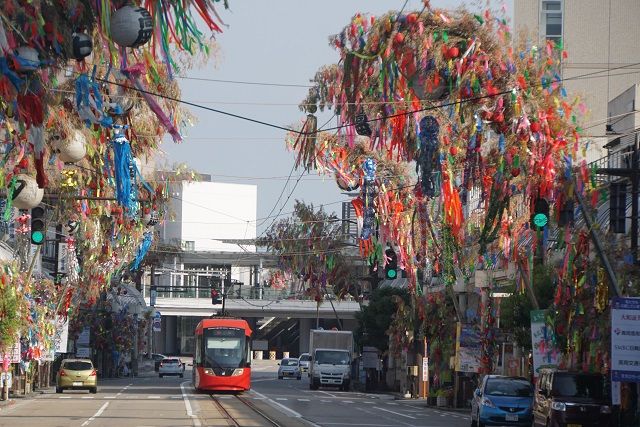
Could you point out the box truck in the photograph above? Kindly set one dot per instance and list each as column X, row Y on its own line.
column 331, row 357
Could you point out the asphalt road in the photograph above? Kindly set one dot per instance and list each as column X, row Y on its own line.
column 170, row 401
column 329, row 407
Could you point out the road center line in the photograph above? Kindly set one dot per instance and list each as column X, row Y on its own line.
column 393, row 412
column 187, row 405
column 97, row 414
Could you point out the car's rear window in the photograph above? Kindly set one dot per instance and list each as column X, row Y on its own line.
column 171, row 361
column 78, row 366
column 305, row 358
column 508, row 387
column 290, row 362
column 577, row 385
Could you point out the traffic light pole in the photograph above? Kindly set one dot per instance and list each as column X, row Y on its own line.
column 613, row 282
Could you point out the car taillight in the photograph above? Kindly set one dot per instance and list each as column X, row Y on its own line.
column 62, row 373
column 93, row 373
column 161, row 364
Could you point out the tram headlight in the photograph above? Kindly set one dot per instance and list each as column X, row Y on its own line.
column 208, row 371
column 237, row 372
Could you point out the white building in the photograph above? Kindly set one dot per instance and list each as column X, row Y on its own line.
column 192, row 259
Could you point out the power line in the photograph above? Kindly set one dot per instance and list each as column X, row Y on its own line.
column 288, row 129
column 243, row 82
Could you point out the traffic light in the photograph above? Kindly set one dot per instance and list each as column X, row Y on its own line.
column 540, row 214
column 38, row 230
column 391, row 268
column 215, row 297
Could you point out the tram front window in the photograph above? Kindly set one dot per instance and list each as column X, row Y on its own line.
column 225, row 348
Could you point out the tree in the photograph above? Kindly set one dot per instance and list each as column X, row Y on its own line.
column 310, row 245
column 515, row 311
column 374, row 319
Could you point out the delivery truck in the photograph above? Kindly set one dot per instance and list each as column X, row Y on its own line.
column 331, row 357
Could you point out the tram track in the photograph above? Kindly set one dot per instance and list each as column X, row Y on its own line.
column 228, row 407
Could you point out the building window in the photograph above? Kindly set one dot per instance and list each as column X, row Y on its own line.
column 189, row 245
column 552, row 19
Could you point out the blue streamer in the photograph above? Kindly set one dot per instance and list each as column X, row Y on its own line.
column 122, row 161
column 142, row 250
column 16, row 81
column 427, row 162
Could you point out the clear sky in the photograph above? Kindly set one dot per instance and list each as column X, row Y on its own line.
column 283, row 41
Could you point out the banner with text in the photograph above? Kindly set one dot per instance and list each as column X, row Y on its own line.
column 625, row 340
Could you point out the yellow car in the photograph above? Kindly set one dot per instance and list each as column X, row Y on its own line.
column 77, row 374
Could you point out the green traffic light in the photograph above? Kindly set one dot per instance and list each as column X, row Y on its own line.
column 540, row 219
column 37, row 236
column 391, row 274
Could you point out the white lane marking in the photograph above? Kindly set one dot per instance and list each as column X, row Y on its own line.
column 187, row 405
column 284, row 408
column 396, row 413
column 369, row 403
column 64, row 397
column 110, row 397
column 97, row 414
column 303, row 400
column 87, row 397
column 281, row 398
column 153, row 397
column 391, row 403
column 327, row 393
column 347, row 401
column 325, row 401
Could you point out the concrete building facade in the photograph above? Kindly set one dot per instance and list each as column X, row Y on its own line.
column 602, row 38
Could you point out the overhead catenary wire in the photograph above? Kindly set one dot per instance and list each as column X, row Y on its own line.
column 409, row 112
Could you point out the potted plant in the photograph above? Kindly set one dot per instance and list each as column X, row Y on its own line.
column 443, row 397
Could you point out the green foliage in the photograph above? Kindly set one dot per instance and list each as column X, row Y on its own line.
column 515, row 311
column 309, row 244
column 10, row 321
column 374, row 319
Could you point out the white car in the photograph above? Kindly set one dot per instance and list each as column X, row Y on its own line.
column 305, row 360
column 289, row 368
column 171, row 366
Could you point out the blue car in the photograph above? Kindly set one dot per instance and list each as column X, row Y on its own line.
column 502, row 401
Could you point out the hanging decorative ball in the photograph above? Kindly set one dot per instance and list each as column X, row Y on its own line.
column 535, row 126
column 71, row 149
column 71, row 226
column 27, row 59
column 131, row 26
column 81, row 46
column 362, row 125
column 120, row 102
column 399, row 38
column 150, row 217
column 27, row 194
column 347, row 184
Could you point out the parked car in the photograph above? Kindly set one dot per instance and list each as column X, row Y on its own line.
column 77, row 374
column 571, row 399
column 157, row 358
column 289, row 368
column 305, row 361
column 171, row 366
column 502, row 401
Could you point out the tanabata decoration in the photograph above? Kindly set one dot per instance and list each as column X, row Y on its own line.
column 485, row 123
column 85, row 86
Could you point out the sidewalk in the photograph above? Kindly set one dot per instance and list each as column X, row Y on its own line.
column 13, row 399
